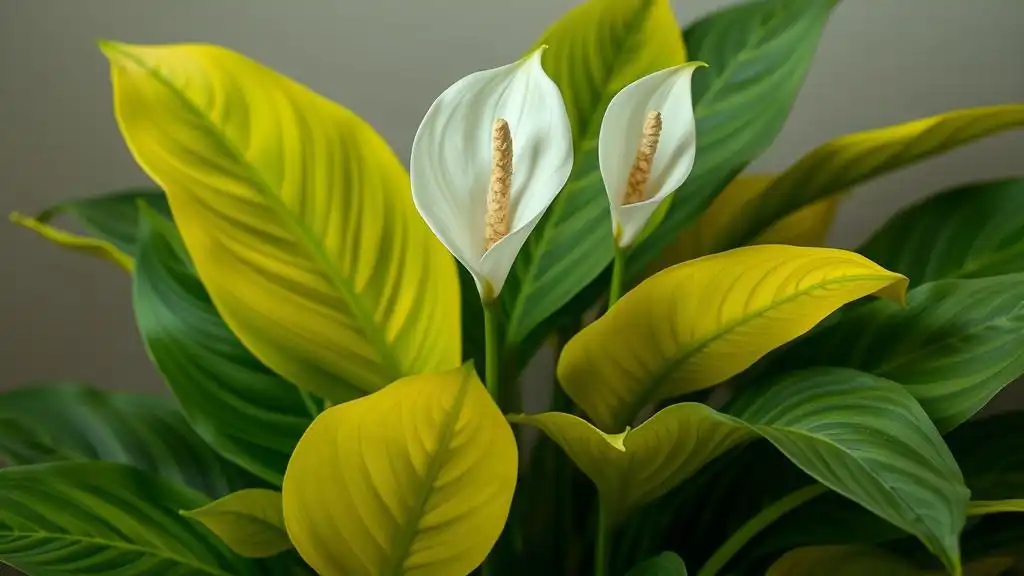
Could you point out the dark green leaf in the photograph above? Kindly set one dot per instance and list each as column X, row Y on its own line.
column 758, row 55
column 244, row 410
column 664, row 564
column 100, row 518
column 955, row 345
column 112, row 217
column 971, row 231
column 56, row 422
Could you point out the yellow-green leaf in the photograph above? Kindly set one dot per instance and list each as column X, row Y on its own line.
column 985, row 507
column 250, row 522
column 864, row 560
column 415, row 479
column 696, row 324
column 594, row 50
column 852, row 159
column 297, row 215
column 84, row 244
column 636, row 466
column 808, row 226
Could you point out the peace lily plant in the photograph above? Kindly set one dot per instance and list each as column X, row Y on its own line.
column 345, row 342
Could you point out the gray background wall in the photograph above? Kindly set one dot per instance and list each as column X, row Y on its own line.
column 65, row 316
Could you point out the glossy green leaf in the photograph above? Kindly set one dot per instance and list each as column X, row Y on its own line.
column 855, row 158
column 415, row 479
column 758, row 54
column 664, row 564
column 296, row 214
column 64, row 421
column 105, row 519
column 955, row 345
column 594, row 51
column 250, row 522
column 863, row 560
column 239, row 406
column 861, row 436
column 113, row 217
column 696, row 324
column 970, row 231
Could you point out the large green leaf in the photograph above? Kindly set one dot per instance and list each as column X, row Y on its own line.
column 594, row 51
column 955, row 345
column 971, row 231
column 699, row 323
column 855, row 158
column 54, row 422
column 296, row 214
column 758, row 54
column 860, row 435
column 244, row 410
column 105, row 519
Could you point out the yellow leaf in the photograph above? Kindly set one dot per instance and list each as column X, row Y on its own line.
column 855, row 158
column 415, row 479
column 84, row 244
column 636, row 466
column 250, row 522
column 298, row 217
column 699, row 323
column 865, row 560
column 808, row 226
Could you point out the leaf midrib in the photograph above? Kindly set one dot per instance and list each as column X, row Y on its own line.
column 119, row 545
column 298, row 229
column 655, row 383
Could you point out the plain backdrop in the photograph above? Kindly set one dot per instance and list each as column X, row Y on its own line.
column 65, row 316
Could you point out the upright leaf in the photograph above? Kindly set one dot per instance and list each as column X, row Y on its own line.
column 244, row 410
column 696, row 324
column 758, row 54
column 855, row 158
column 280, row 191
column 104, row 519
column 414, row 479
column 64, row 421
column 250, row 522
column 971, row 231
column 955, row 345
column 594, row 51
column 861, row 436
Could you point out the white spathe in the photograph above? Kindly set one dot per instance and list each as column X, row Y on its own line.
column 450, row 164
column 666, row 91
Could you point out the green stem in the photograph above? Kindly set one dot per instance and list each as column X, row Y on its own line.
column 618, row 275
column 601, row 547
column 755, row 525
column 492, row 342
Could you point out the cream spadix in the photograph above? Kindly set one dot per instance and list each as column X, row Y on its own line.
column 646, row 147
column 491, row 154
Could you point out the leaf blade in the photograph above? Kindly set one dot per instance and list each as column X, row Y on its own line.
column 250, row 522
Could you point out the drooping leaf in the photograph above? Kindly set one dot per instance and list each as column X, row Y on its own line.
column 863, row 437
column 594, row 51
column 244, row 410
column 250, row 522
column 414, row 479
column 758, row 54
column 105, row 519
column 297, row 215
column 955, row 345
column 861, row 560
column 664, row 564
column 806, row 227
column 696, row 324
column 67, row 421
column 971, row 231
column 76, row 242
column 855, row 158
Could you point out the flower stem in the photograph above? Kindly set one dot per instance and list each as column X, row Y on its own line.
column 492, row 343
column 755, row 525
column 618, row 272
column 601, row 547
